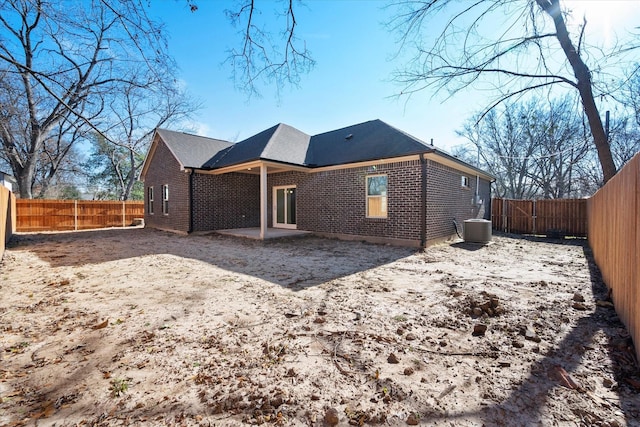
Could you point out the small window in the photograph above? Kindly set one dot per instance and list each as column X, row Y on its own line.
column 377, row 196
column 465, row 181
column 150, row 200
column 165, row 199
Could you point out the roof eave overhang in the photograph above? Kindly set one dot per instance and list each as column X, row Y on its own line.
column 275, row 167
column 150, row 153
column 254, row 165
column 365, row 163
column 449, row 160
column 431, row 154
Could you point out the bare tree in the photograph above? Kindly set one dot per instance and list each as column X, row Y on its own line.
column 273, row 55
column 562, row 143
column 625, row 133
column 69, row 173
column 533, row 148
column 518, row 57
column 59, row 60
column 625, row 140
column 505, row 149
column 56, row 156
column 131, row 116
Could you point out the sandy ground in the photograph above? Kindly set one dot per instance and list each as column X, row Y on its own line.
column 140, row 327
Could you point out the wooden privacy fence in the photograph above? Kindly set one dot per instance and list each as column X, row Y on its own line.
column 614, row 237
column 62, row 215
column 7, row 217
column 557, row 217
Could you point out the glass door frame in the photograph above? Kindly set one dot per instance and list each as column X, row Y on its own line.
column 276, row 224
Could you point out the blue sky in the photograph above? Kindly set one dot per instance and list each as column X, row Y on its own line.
column 350, row 83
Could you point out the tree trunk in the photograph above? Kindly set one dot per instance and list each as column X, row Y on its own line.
column 23, row 174
column 25, row 180
column 131, row 176
column 583, row 76
column 597, row 131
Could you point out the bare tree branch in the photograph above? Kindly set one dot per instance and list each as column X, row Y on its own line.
column 534, row 148
column 265, row 57
column 467, row 50
column 65, row 61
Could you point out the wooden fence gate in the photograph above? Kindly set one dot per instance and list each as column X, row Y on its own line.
column 554, row 218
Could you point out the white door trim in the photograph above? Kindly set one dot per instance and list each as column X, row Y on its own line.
column 276, row 224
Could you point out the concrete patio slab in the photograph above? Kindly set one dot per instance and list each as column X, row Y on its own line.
column 272, row 233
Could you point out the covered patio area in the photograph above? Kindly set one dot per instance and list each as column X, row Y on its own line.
column 283, row 206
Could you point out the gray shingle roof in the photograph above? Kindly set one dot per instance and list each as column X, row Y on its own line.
column 280, row 143
column 191, row 151
column 372, row 140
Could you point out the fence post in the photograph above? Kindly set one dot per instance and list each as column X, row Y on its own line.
column 534, row 217
column 504, row 215
column 123, row 215
column 75, row 215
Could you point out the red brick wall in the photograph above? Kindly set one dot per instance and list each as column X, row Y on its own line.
column 165, row 169
column 226, row 201
column 327, row 202
column 335, row 201
column 448, row 200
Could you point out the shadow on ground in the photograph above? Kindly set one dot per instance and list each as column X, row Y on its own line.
column 295, row 262
column 526, row 402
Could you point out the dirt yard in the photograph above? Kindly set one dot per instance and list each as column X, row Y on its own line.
column 139, row 327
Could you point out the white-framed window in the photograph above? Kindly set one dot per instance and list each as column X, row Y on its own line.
column 165, row 199
column 377, row 196
column 464, row 181
column 150, row 200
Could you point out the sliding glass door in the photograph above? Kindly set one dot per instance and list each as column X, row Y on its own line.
column 284, row 207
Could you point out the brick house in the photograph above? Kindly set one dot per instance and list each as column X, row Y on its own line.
column 368, row 181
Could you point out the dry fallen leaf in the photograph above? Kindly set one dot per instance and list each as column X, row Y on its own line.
column 101, row 325
column 558, row 373
column 49, row 410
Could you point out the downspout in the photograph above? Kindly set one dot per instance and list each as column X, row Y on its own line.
column 423, row 202
column 190, row 203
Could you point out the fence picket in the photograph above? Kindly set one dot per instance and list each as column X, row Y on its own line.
column 63, row 215
column 566, row 217
column 614, row 237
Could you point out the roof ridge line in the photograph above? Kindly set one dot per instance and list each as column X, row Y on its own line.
column 191, row 134
column 410, row 136
column 224, row 151
column 228, row 150
column 271, row 139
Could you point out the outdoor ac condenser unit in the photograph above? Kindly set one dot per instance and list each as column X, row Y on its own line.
column 477, row 231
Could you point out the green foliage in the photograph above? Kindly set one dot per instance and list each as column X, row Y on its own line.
column 118, row 387
column 109, row 167
column 137, row 192
column 70, row 192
